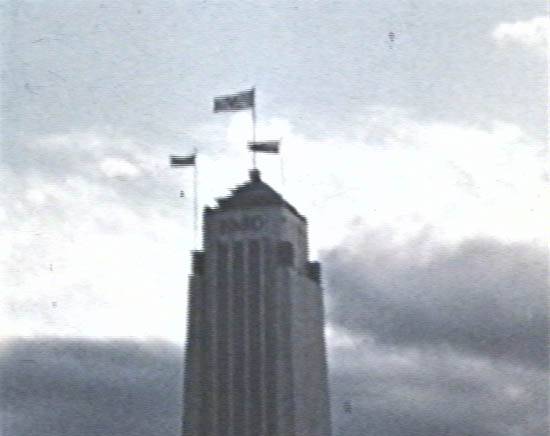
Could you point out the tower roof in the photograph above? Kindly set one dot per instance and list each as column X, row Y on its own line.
column 255, row 192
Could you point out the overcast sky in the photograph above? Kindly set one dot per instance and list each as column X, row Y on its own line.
column 419, row 162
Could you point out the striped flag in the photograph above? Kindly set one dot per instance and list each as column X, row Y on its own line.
column 264, row 146
column 182, row 161
column 234, row 102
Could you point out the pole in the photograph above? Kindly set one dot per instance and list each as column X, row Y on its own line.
column 195, row 202
column 254, row 133
column 281, row 162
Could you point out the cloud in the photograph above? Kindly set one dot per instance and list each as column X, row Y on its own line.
column 390, row 169
column 91, row 222
column 62, row 387
column 94, row 220
column 481, row 297
column 430, row 338
column 116, row 167
column 66, row 387
column 532, row 33
column 403, row 391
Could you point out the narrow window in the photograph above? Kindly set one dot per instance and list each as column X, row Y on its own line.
column 285, row 253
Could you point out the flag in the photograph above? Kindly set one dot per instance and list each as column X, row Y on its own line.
column 264, row 146
column 234, row 102
column 182, row 161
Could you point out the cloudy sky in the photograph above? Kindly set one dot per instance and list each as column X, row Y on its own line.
column 420, row 163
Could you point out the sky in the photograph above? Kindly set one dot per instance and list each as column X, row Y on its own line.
column 421, row 164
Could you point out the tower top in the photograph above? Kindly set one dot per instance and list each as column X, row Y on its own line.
column 253, row 193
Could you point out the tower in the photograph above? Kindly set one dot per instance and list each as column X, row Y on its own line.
column 255, row 359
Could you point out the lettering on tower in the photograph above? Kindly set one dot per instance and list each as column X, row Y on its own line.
column 243, row 224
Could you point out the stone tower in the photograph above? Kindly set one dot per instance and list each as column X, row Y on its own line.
column 255, row 359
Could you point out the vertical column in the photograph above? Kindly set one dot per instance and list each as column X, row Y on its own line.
column 207, row 358
column 222, row 337
column 270, row 340
column 285, row 376
column 262, row 336
column 255, row 330
column 192, row 374
column 229, row 430
column 239, row 336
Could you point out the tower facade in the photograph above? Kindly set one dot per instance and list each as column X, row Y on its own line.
column 256, row 357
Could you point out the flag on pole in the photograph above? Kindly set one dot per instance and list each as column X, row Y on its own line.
column 264, row 146
column 234, row 102
column 182, row 161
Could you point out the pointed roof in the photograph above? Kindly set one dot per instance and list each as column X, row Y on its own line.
column 255, row 192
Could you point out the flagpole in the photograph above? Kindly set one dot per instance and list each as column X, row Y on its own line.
column 281, row 162
column 254, row 127
column 195, row 202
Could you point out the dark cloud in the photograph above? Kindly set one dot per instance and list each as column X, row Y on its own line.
column 58, row 387
column 394, row 394
column 439, row 340
column 55, row 387
column 482, row 297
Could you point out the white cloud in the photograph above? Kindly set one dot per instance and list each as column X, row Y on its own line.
column 531, row 33
column 92, row 282
column 120, row 248
column 460, row 181
column 81, row 255
column 116, row 167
